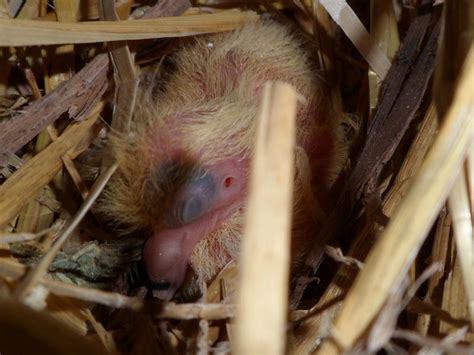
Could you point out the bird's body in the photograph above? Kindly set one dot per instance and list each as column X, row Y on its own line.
column 184, row 166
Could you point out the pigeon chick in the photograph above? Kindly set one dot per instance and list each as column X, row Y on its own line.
column 184, row 167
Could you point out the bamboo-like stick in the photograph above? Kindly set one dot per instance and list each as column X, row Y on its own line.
column 263, row 296
column 30, row 32
column 390, row 258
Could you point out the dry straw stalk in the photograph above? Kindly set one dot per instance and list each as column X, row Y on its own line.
column 26, row 182
column 30, row 32
column 346, row 18
column 305, row 341
column 32, row 278
column 391, row 257
column 262, row 299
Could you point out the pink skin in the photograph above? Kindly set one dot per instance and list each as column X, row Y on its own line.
column 166, row 253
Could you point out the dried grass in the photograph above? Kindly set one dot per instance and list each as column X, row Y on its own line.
column 406, row 285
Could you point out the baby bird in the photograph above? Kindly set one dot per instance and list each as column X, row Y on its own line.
column 183, row 168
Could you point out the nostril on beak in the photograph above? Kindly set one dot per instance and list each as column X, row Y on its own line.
column 228, row 181
column 161, row 285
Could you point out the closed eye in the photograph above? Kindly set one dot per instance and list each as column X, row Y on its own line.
column 194, row 199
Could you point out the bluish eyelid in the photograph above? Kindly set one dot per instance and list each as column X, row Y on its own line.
column 196, row 198
column 204, row 182
column 191, row 209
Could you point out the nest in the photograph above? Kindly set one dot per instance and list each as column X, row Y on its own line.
column 397, row 271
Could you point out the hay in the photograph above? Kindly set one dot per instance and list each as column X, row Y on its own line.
column 398, row 274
